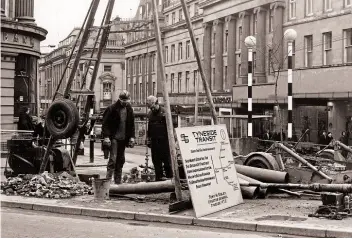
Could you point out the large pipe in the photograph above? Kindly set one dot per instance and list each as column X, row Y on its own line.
column 143, row 188
column 317, row 187
column 168, row 186
column 264, row 175
column 262, row 191
column 248, row 192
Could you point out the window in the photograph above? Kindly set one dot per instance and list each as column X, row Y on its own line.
column 187, row 82
column 197, row 43
column 254, row 61
column 154, row 88
column 179, row 82
column 348, row 3
column 213, row 44
column 153, row 63
column 270, row 62
column 348, row 45
column 196, row 9
column 212, row 83
column 172, row 53
column 308, row 41
column 180, row 15
column 173, row 20
column 107, row 68
column 134, row 92
column 226, row 40
column 189, row 10
column 327, row 5
column 195, row 77
column 309, row 7
column 225, row 77
column 255, row 23
column 292, row 9
column 293, row 54
column 166, row 54
column 188, row 49
column 271, row 21
column 239, row 70
column 167, row 19
column 239, row 37
column 172, row 82
column 140, row 64
column 140, row 92
column 180, row 51
column 327, row 45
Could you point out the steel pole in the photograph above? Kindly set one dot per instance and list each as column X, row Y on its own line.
column 169, row 124
column 289, row 90
column 199, row 62
column 250, row 82
column 302, row 160
column 89, row 100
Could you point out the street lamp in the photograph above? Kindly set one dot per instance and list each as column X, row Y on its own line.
column 290, row 35
column 49, row 46
column 250, row 42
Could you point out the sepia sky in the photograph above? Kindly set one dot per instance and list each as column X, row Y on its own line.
column 59, row 17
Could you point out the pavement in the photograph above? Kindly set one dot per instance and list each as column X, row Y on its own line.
column 36, row 224
column 276, row 216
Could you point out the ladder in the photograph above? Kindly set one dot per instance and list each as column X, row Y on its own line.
column 80, row 42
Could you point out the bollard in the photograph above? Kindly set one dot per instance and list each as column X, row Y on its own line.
column 91, row 149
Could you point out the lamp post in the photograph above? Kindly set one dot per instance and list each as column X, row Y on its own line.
column 250, row 42
column 290, row 35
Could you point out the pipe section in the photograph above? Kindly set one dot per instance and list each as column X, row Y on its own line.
column 264, row 175
column 262, row 191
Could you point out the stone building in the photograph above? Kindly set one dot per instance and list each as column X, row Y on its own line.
column 111, row 73
column 322, row 86
column 20, row 51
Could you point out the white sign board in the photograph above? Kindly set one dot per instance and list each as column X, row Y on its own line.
column 209, row 167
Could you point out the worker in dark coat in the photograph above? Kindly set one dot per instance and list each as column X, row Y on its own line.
column 25, row 119
column 119, row 132
column 158, row 139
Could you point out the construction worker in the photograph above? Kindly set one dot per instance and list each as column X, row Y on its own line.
column 158, row 139
column 118, row 132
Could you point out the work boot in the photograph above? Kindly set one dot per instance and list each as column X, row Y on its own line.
column 109, row 174
column 118, row 176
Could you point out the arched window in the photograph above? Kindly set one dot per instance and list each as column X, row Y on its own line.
column 107, row 91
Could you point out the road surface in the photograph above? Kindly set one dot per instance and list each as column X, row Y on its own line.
column 22, row 223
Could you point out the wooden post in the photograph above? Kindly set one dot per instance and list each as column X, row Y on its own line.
column 200, row 66
column 170, row 130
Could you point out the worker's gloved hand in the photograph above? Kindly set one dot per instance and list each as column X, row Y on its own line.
column 107, row 142
column 131, row 143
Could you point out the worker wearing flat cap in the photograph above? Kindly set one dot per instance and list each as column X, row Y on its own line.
column 158, row 139
column 119, row 132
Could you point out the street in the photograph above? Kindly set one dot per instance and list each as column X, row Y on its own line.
column 22, row 223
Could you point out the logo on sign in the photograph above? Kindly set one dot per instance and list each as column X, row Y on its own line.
column 223, row 134
column 184, row 138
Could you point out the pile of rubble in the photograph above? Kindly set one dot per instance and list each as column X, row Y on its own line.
column 45, row 185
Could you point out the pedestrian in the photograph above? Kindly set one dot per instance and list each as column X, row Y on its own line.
column 158, row 139
column 323, row 139
column 329, row 138
column 344, row 138
column 119, row 132
column 25, row 119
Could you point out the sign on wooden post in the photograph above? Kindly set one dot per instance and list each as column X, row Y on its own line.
column 209, row 168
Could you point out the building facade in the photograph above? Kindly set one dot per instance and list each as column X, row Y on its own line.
column 111, row 72
column 322, row 60
column 20, row 51
column 322, row 54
